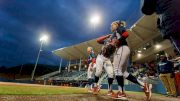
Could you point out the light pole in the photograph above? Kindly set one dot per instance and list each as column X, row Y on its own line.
column 20, row 69
column 42, row 39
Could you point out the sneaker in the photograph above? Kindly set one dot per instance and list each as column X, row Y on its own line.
column 147, row 90
column 121, row 96
column 96, row 90
column 110, row 93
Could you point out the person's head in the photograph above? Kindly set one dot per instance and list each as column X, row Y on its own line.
column 89, row 49
column 116, row 24
column 163, row 57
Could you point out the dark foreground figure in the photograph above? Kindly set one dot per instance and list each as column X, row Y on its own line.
column 168, row 19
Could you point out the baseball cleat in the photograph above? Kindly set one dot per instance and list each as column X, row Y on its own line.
column 147, row 90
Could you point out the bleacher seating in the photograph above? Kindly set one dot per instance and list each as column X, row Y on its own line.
column 48, row 75
column 64, row 75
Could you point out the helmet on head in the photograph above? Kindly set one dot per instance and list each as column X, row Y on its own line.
column 120, row 23
column 89, row 49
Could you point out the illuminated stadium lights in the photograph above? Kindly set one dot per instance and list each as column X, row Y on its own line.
column 139, row 51
column 95, row 19
column 139, row 55
column 44, row 38
column 157, row 46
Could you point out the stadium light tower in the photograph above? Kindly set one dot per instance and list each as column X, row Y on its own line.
column 43, row 39
column 94, row 20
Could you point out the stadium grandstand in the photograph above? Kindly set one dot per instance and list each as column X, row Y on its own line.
column 144, row 40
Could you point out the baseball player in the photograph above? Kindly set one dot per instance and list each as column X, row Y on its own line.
column 103, row 62
column 120, row 61
column 91, row 67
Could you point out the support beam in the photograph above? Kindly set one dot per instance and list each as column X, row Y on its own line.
column 60, row 66
column 60, row 55
column 69, row 66
column 80, row 65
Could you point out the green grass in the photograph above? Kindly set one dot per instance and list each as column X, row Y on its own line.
column 42, row 90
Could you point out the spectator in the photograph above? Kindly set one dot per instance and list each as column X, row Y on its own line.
column 151, row 70
column 166, row 75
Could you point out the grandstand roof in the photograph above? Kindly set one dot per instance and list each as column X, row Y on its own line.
column 140, row 33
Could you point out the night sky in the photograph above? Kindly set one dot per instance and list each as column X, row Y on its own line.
column 66, row 21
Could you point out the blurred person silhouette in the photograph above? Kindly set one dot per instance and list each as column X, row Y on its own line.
column 168, row 18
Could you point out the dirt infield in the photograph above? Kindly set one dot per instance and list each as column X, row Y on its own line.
column 132, row 96
column 79, row 97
